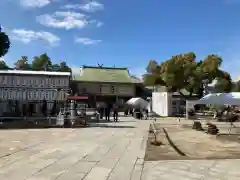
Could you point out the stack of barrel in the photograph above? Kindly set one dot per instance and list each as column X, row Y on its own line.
column 212, row 129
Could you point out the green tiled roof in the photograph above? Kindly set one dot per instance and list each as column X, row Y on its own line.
column 136, row 79
column 104, row 74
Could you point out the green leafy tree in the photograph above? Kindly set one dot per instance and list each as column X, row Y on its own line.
column 152, row 77
column 152, row 66
column 4, row 43
column 55, row 67
column 236, row 86
column 3, row 65
column 185, row 72
column 22, row 64
column 42, row 62
column 224, row 83
column 61, row 67
column 64, row 67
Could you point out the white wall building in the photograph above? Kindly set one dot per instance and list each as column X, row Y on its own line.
column 32, row 87
column 167, row 104
column 161, row 103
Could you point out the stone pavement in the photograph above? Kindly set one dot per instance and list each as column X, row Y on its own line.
column 114, row 151
column 192, row 170
column 92, row 153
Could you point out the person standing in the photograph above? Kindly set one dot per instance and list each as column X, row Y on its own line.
column 99, row 110
column 131, row 111
column 107, row 112
column 146, row 113
column 115, row 112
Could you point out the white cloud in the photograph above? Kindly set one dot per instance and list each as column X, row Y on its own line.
column 87, row 41
column 98, row 24
column 27, row 36
column 63, row 19
column 34, row 3
column 91, row 6
column 71, row 6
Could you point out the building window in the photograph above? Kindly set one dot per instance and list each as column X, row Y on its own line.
column 5, row 81
column 14, row 94
column 47, row 95
column 112, row 89
column 28, row 95
column 9, row 93
column 53, row 82
column 54, row 94
column 17, row 81
column 66, row 82
column 41, row 95
column 5, row 94
column 12, row 81
column 46, row 82
column 41, row 82
column 31, row 95
column 35, row 95
column 17, row 94
column 9, row 80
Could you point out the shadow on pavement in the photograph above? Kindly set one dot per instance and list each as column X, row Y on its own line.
column 43, row 123
column 111, row 121
column 14, row 126
column 108, row 126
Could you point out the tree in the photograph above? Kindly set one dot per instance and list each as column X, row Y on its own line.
column 42, row 62
column 3, row 65
column 224, row 83
column 22, row 64
column 4, row 43
column 152, row 66
column 185, row 72
column 152, row 77
column 236, row 86
column 64, row 67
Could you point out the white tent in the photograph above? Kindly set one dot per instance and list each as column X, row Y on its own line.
column 221, row 99
column 137, row 102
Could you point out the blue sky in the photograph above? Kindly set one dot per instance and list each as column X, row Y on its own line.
column 126, row 33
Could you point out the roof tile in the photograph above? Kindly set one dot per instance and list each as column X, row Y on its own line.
column 104, row 74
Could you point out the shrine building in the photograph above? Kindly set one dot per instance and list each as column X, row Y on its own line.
column 104, row 84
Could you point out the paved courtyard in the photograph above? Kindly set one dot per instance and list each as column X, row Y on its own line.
column 111, row 152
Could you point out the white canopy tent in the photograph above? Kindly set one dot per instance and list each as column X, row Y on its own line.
column 221, row 99
column 137, row 103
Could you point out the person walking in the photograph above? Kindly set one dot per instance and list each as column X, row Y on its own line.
column 115, row 112
column 107, row 112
